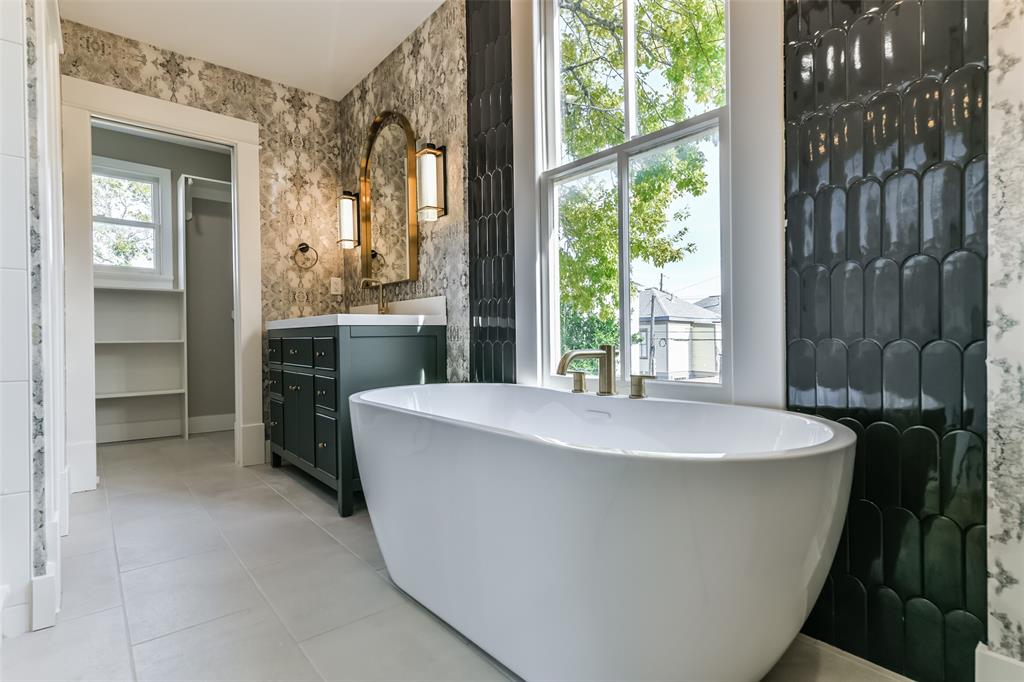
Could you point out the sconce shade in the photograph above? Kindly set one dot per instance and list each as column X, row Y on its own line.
column 348, row 220
column 430, row 183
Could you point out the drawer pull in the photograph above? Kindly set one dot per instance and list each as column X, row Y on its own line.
column 295, row 388
column 321, row 392
column 321, row 445
column 320, row 353
column 273, row 423
column 293, row 351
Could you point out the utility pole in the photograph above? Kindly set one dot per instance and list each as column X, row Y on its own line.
column 651, row 365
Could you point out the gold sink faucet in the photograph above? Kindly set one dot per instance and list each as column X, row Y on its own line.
column 605, row 366
column 370, row 282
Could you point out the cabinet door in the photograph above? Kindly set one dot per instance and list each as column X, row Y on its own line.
column 277, row 422
column 327, row 444
column 298, row 415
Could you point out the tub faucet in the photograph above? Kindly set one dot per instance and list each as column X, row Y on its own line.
column 605, row 366
column 369, row 282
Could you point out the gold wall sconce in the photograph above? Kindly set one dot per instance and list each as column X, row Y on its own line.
column 432, row 183
column 348, row 220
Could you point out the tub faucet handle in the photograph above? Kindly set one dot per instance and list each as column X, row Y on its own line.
column 579, row 382
column 637, row 385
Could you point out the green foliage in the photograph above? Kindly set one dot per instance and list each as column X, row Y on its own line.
column 680, row 56
column 123, row 199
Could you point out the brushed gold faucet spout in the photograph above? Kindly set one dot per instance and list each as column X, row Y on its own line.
column 370, row 282
column 605, row 366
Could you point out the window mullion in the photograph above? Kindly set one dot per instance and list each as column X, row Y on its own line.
column 624, row 283
column 124, row 221
column 629, row 66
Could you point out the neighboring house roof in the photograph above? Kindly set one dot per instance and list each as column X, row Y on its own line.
column 712, row 303
column 669, row 307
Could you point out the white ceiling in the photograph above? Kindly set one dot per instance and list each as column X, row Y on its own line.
column 323, row 46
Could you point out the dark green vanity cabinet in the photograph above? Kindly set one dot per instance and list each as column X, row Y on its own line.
column 313, row 371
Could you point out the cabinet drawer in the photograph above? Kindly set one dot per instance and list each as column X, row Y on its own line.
column 274, row 351
column 274, row 384
column 277, row 423
column 324, row 354
column 327, row 444
column 326, row 393
column 298, row 351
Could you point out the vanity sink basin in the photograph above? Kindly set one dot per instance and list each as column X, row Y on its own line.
column 421, row 312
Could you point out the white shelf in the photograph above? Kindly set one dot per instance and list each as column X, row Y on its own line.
column 123, row 342
column 144, row 290
column 140, row 394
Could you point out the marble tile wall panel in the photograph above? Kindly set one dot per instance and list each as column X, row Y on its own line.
column 1005, row 467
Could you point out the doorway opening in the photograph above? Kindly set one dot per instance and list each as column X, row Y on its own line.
column 162, row 224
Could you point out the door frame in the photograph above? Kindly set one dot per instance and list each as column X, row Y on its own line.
column 82, row 102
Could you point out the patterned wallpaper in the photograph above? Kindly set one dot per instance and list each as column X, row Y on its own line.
column 298, row 152
column 424, row 78
column 39, row 492
column 1006, row 329
column 885, row 300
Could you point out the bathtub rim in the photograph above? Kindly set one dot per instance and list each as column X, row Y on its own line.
column 843, row 438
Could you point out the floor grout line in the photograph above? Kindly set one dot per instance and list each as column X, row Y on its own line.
column 189, row 627
column 120, row 587
column 255, row 583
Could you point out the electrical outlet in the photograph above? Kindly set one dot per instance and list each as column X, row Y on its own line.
column 336, row 286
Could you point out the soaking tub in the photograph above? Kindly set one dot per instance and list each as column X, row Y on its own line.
column 576, row 537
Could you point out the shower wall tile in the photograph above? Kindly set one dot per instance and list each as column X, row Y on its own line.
column 888, row 188
column 492, row 331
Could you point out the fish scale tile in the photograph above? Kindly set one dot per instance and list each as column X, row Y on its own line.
column 491, row 237
column 886, row 184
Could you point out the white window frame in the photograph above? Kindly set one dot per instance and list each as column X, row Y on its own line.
column 754, row 309
column 162, row 274
column 555, row 171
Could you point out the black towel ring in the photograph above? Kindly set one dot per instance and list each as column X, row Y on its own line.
column 302, row 257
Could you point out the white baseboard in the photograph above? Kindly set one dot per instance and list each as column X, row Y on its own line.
column 992, row 667
column 211, row 422
column 82, row 465
column 17, row 620
column 44, row 598
column 253, row 445
column 159, row 428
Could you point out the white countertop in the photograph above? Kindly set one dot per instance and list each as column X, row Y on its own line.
column 420, row 312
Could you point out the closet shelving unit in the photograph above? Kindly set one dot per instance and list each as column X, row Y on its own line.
column 141, row 361
column 142, row 352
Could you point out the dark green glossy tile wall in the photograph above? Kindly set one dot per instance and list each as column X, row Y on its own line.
column 492, row 310
column 885, row 312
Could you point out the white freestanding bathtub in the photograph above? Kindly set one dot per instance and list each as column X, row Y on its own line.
column 576, row 537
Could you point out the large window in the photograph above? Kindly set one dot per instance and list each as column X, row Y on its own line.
column 635, row 149
column 131, row 225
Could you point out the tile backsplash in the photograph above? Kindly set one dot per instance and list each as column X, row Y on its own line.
column 492, row 298
column 886, row 183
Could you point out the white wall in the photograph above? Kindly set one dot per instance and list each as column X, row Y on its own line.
column 15, row 401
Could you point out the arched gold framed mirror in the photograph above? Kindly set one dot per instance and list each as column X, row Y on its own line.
column 387, row 196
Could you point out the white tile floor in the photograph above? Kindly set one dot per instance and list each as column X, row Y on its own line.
column 183, row 567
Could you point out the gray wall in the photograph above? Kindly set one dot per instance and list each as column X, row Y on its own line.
column 207, row 264
column 211, row 339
